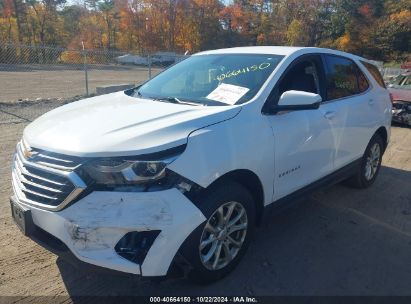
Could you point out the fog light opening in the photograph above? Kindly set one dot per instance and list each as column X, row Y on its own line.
column 135, row 245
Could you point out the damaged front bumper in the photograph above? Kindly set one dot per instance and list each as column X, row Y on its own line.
column 95, row 227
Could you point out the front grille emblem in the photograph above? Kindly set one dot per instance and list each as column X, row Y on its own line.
column 28, row 153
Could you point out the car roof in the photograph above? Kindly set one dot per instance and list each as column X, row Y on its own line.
column 279, row 50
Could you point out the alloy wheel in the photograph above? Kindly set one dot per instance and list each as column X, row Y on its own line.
column 223, row 235
column 373, row 161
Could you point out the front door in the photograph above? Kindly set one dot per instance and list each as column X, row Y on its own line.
column 304, row 140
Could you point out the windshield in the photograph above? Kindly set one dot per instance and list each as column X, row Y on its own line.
column 223, row 79
column 397, row 80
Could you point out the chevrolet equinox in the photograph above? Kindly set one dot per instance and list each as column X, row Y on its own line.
column 178, row 171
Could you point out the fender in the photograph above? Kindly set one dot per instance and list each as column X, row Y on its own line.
column 218, row 149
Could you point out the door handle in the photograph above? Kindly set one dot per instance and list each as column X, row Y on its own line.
column 371, row 101
column 329, row 114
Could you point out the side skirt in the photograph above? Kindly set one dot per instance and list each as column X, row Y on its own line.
column 296, row 197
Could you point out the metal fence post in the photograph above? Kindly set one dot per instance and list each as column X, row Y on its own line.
column 85, row 67
column 149, row 66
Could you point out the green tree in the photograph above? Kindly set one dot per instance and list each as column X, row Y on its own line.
column 296, row 34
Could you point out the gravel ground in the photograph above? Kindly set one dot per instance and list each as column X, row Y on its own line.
column 339, row 241
column 44, row 83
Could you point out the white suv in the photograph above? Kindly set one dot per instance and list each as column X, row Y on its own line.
column 178, row 171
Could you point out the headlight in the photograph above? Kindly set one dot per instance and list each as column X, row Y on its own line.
column 117, row 171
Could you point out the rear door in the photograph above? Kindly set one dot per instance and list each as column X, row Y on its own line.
column 349, row 92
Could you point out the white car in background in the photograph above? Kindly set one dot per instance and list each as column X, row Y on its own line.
column 179, row 171
column 133, row 59
column 164, row 59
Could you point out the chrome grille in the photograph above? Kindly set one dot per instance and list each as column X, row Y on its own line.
column 51, row 159
column 45, row 179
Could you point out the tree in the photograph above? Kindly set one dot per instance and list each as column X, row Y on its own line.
column 296, row 34
column 378, row 29
column 392, row 37
column 110, row 16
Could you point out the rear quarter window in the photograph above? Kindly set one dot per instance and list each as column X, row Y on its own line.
column 362, row 81
column 375, row 73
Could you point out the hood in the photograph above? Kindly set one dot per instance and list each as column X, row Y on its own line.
column 119, row 125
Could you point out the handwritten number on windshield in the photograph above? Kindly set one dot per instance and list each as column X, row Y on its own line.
column 234, row 73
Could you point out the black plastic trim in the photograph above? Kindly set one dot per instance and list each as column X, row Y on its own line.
column 327, row 181
column 155, row 156
column 137, row 245
column 278, row 109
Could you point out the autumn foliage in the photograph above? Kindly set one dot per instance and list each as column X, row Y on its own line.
column 378, row 29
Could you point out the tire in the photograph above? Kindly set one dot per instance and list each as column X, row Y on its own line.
column 220, row 197
column 370, row 164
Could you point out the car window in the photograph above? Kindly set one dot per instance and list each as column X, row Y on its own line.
column 397, row 80
column 341, row 77
column 362, row 81
column 375, row 73
column 407, row 82
column 218, row 79
column 303, row 76
column 401, row 82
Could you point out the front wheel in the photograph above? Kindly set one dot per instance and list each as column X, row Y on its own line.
column 215, row 248
column 370, row 164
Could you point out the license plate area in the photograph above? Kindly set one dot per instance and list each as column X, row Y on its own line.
column 22, row 217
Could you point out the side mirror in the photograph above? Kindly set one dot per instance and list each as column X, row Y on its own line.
column 297, row 101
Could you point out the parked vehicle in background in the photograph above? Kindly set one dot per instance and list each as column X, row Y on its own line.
column 162, row 59
column 165, row 59
column 406, row 66
column 132, row 59
column 178, row 171
column 402, row 82
column 401, row 112
column 400, row 90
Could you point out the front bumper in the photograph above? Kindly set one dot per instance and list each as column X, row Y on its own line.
column 91, row 227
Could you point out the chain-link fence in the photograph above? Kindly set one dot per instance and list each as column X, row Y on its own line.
column 41, row 72
column 36, row 72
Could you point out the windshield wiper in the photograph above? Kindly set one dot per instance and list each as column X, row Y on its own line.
column 136, row 92
column 178, row 101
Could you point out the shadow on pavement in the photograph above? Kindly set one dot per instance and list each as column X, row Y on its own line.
column 339, row 241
